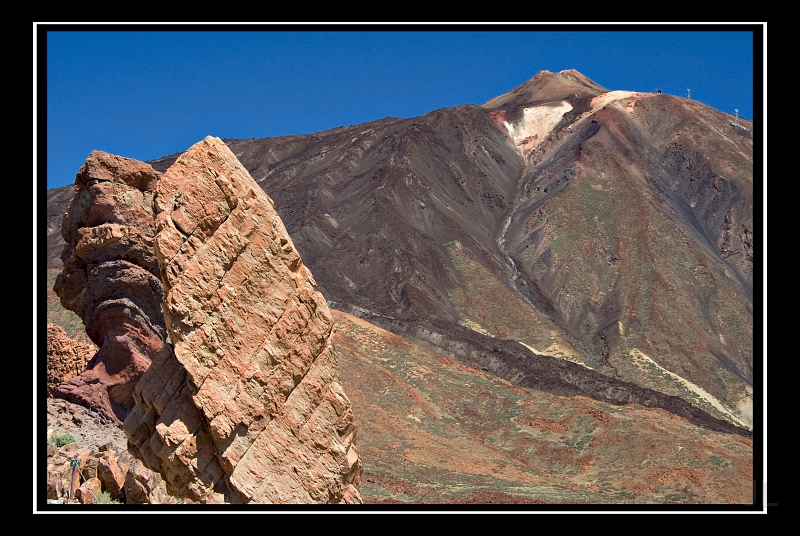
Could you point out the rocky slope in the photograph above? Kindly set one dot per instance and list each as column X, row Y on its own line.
column 433, row 431
column 104, row 471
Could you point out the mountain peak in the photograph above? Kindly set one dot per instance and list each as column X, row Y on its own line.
column 547, row 86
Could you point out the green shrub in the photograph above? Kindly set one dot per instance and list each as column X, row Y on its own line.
column 105, row 498
column 64, row 439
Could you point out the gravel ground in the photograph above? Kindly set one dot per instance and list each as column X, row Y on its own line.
column 89, row 428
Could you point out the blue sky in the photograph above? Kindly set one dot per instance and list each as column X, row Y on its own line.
column 147, row 94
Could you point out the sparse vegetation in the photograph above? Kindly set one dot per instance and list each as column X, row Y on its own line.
column 485, row 305
column 64, row 439
column 105, row 498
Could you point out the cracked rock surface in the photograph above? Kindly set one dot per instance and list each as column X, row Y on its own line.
column 246, row 404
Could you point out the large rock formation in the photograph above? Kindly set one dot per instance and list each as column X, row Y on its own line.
column 248, row 407
column 111, row 279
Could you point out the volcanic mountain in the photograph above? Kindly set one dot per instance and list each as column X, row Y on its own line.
column 613, row 229
column 562, row 237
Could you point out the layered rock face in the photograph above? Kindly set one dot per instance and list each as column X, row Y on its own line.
column 111, row 279
column 66, row 358
column 248, row 407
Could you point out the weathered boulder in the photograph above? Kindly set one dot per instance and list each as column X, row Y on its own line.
column 89, row 491
column 66, row 358
column 248, row 407
column 142, row 486
column 111, row 279
column 111, row 474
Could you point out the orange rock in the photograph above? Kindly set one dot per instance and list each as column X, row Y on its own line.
column 66, row 358
column 88, row 492
column 248, row 407
column 111, row 475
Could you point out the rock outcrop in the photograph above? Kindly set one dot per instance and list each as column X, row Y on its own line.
column 111, row 279
column 245, row 406
column 124, row 478
column 66, row 358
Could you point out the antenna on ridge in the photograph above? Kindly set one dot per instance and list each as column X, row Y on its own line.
column 689, row 94
column 736, row 124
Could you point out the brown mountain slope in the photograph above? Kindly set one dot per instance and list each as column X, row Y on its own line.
column 372, row 205
column 58, row 200
column 648, row 248
column 432, row 430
